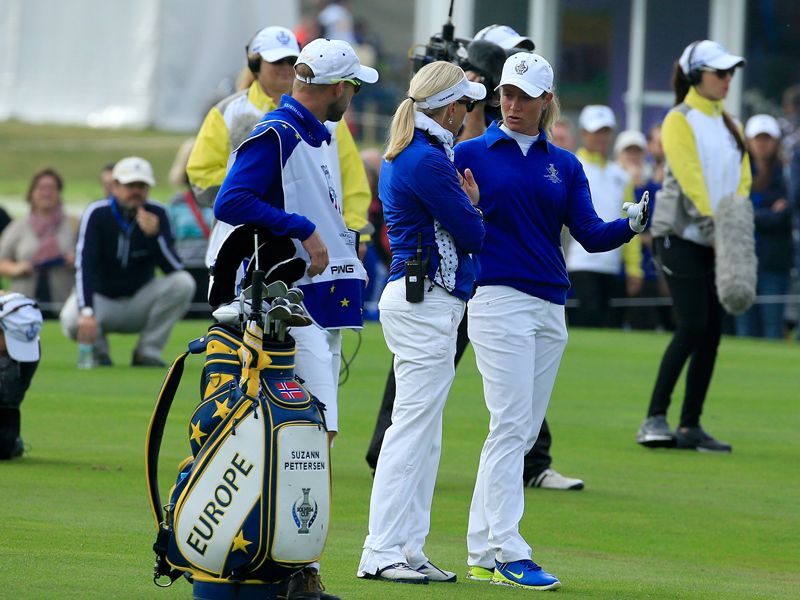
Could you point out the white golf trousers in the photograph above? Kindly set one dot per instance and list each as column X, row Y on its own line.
column 518, row 341
column 422, row 337
column 319, row 354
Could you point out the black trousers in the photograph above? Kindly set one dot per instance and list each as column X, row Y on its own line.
column 689, row 269
column 536, row 461
column 15, row 378
column 594, row 291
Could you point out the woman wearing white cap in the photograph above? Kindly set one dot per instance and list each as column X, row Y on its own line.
column 773, row 221
column 706, row 162
column 529, row 190
column 433, row 226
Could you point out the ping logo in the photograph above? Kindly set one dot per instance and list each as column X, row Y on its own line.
column 345, row 269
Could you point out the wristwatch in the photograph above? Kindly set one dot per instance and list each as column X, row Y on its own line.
column 87, row 311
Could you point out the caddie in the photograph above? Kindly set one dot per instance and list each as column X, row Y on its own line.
column 285, row 180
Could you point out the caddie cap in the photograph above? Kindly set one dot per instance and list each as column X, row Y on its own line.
column 133, row 170
column 274, row 44
column 21, row 322
column 529, row 72
column 333, row 61
column 596, row 116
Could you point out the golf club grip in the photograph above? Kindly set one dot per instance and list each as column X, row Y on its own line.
column 258, row 288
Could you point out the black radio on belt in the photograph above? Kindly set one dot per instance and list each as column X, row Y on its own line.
column 416, row 269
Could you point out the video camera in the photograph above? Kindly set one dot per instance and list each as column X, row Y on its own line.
column 484, row 58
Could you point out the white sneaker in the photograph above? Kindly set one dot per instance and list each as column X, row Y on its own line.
column 434, row 573
column 398, row 572
column 553, row 480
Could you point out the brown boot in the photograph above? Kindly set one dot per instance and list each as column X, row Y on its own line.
column 306, row 585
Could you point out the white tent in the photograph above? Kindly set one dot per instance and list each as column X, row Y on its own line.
column 125, row 63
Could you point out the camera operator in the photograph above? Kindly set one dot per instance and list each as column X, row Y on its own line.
column 485, row 57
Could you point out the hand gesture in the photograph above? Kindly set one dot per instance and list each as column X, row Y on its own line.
column 469, row 186
column 147, row 221
column 638, row 213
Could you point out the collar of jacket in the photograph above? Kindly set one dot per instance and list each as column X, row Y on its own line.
column 494, row 134
column 258, row 98
column 592, row 158
column 712, row 108
column 312, row 129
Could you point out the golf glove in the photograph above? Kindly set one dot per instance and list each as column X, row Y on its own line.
column 638, row 212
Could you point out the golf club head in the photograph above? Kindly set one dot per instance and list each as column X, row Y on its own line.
column 295, row 295
column 274, row 289
column 299, row 318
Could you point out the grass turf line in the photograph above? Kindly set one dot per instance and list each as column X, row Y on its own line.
column 74, row 521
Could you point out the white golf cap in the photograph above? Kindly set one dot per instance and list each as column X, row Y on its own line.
column 596, row 116
column 133, row 170
column 708, row 54
column 21, row 322
column 529, row 72
column 629, row 138
column 333, row 61
column 465, row 87
column 505, row 37
column 758, row 124
column 274, row 44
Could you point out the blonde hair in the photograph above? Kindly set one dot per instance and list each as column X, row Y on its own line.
column 429, row 80
column 550, row 116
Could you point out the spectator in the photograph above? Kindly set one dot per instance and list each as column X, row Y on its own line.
column 122, row 239
column 37, row 252
column 106, row 179
column 595, row 277
column 336, row 22
column 4, row 219
column 706, row 162
column 429, row 209
column 629, row 150
column 20, row 323
column 530, row 189
column 192, row 225
column 564, row 135
column 655, row 155
column 773, row 221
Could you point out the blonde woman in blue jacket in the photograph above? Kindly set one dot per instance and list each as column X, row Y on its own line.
column 706, row 161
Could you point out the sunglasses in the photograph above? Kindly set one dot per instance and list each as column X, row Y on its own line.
column 469, row 104
column 721, row 73
column 354, row 82
column 287, row 61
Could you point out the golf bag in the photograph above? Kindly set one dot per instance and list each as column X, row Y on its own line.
column 252, row 502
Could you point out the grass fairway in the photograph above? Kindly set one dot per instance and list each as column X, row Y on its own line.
column 74, row 521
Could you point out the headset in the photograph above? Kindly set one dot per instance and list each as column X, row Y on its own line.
column 694, row 75
column 253, row 62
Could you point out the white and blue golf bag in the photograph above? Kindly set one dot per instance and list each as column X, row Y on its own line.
column 251, row 505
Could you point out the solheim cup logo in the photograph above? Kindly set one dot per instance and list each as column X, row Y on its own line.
column 303, row 513
column 521, row 68
column 284, row 38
